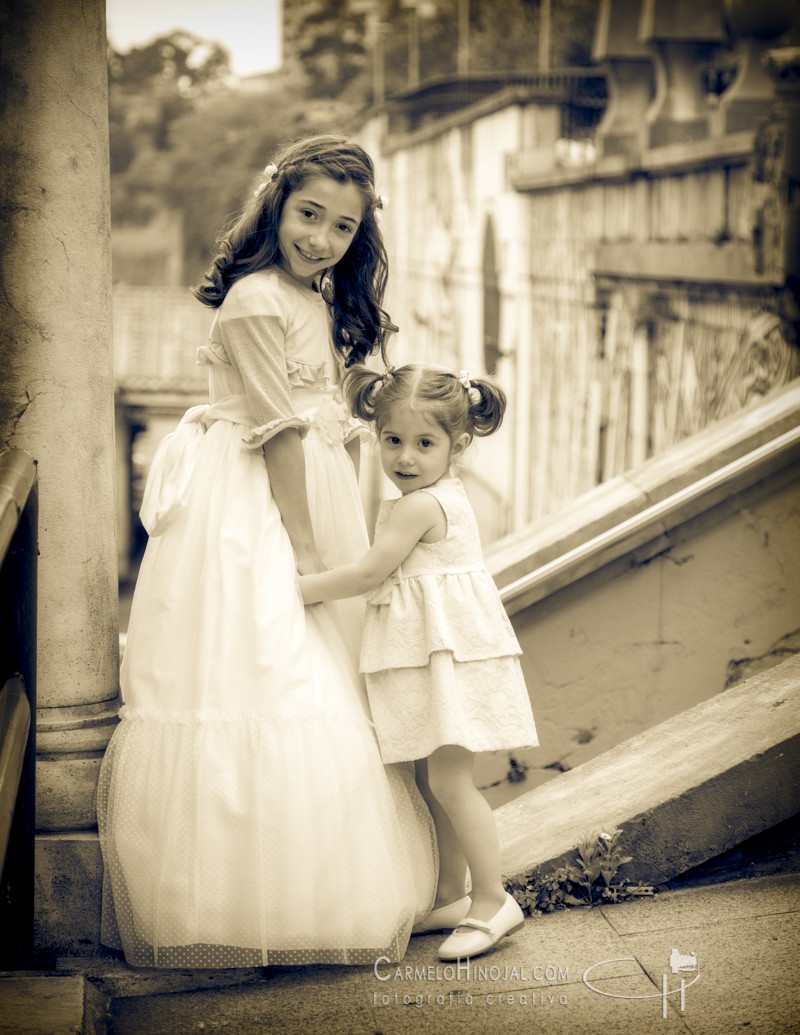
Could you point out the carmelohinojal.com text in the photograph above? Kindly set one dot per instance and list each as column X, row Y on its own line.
column 466, row 970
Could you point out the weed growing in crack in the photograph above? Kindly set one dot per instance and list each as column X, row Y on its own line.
column 592, row 879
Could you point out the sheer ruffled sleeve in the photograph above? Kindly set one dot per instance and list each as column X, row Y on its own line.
column 255, row 346
column 253, row 324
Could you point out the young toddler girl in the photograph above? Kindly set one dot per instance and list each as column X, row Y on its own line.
column 440, row 657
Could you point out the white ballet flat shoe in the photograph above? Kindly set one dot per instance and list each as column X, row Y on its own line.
column 445, row 918
column 473, row 937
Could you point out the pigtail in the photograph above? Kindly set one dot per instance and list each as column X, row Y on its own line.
column 458, row 402
column 487, row 406
column 360, row 387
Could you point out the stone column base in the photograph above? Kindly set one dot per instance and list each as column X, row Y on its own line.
column 70, row 744
column 69, row 879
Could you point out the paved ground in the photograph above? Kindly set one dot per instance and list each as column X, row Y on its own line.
column 744, row 935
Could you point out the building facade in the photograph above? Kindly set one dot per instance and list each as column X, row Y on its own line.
column 628, row 278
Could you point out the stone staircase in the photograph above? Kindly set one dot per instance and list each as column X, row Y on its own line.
column 682, row 792
column 661, row 611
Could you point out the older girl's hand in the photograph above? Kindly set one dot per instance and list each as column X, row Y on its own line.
column 309, row 563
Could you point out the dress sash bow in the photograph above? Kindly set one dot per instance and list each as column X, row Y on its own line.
column 167, row 488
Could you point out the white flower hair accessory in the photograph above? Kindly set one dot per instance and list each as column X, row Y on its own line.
column 379, row 385
column 465, row 380
column 269, row 174
column 380, row 205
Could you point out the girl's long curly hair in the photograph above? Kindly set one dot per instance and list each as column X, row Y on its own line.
column 357, row 282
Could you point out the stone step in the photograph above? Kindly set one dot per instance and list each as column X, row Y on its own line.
column 87, row 996
column 38, row 1004
column 681, row 792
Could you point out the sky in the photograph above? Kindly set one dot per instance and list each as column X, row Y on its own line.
column 248, row 29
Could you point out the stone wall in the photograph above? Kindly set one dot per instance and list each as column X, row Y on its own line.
column 627, row 288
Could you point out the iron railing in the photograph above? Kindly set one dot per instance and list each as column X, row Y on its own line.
column 18, row 566
column 653, row 523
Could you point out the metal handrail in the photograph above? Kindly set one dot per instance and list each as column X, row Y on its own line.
column 19, row 510
column 17, row 479
column 650, row 523
column 15, row 723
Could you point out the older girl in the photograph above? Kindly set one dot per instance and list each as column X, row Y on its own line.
column 245, row 815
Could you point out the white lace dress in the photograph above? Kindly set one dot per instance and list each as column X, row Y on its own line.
column 439, row 653
column 245, row 815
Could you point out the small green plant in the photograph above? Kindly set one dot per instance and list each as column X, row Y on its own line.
column 590, row 879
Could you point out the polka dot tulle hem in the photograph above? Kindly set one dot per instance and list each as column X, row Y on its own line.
column 242, row 845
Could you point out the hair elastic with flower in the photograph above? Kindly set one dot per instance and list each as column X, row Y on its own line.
column 380, row 384
column 465, row 380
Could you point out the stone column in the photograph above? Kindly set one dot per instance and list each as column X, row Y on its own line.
column 628, row 65
column 682, row 34
column 756, row 27
column 57, row 403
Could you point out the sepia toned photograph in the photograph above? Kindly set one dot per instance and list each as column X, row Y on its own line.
column 399, row 517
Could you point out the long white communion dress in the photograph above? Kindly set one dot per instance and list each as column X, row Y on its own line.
column 245, row 815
